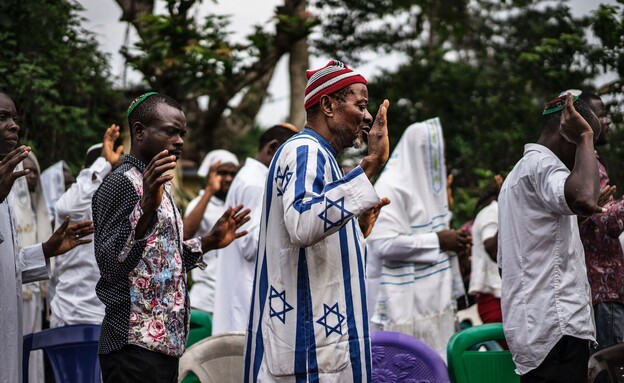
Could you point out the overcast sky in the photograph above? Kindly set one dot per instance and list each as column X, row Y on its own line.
column 103, row 19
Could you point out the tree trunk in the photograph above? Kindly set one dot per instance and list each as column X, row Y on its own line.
column 298, row 63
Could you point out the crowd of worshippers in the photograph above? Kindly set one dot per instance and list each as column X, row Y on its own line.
column 306, row 256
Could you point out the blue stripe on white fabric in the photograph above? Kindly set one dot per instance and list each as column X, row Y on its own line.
column 430, row 223
column 317, row 186
column 300, row 189
column 412, row 270
column 354, row 343
column 259, row 351
column 362, row 279
column 306, row 366
column 416, row 278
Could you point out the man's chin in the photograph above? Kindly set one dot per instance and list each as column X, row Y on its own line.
column 358, row 143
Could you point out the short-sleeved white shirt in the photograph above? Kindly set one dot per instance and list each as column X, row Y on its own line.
column 545, row 293
column 484, row 277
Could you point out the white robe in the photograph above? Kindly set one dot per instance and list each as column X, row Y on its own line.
column 27, row 265
column 33, row 226
column 308, row 311
column 235, row 271
column 417, row 281
column 76, row 272
column 202, row 293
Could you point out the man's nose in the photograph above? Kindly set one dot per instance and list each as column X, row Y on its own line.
column 367, row 117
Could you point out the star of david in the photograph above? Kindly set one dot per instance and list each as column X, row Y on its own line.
column 334, row 325
column 282, row 180
column 337, row 204
column 285, row 307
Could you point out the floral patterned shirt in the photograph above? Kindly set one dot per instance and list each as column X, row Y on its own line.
column 142, row 281
column 603, row 251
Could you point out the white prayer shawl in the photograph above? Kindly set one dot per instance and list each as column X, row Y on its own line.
column 236, row 263
column 27, row 265
column 53, row 181
column 202, row 294
column 76, row 272
column 33, row 226
column 308, row 313
column 417, row 281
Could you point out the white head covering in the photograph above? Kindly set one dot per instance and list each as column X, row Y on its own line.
column 215, row 156
column 31, row 212
column 415, row 181
column 53, row 181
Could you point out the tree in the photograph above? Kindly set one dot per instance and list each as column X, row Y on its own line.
column 187, row 60
column 486, row 68
column 57, row 77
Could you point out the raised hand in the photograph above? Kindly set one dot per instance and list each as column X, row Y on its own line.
column 224, row 230
column 367, row 219
column 7, row 167
column 449, row 190
column 154, row 179
column 108, row 145
column 573, row 125
column 213, row 183
column 66, row 237
column 378, row 142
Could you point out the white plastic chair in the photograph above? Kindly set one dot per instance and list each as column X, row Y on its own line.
column 216, row 359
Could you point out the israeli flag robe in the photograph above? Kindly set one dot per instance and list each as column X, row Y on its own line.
column 308, row 320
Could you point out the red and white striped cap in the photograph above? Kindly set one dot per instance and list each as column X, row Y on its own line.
column 329, row 79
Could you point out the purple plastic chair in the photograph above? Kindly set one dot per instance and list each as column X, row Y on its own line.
column 72, row 351
column 399, row 358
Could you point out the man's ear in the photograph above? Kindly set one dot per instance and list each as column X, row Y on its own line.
column 138, row 131
column 326, row 105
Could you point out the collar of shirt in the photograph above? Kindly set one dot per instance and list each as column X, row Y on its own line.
column 129, row 158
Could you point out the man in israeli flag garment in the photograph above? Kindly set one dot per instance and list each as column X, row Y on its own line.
column 308, row 319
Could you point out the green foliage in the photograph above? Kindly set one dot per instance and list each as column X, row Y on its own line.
column 57, row 77
column 486, row 68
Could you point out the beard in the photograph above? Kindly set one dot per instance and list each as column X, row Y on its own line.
column 358, row 143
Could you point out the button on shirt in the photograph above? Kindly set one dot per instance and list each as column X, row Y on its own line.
column 143, row 281
column 545, row 294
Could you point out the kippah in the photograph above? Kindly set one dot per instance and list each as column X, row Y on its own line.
column 137, row 101
column 288, row 126
column 556, row 105
column 329, row 79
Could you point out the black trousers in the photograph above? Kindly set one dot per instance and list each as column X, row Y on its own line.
column 565, row 363
column 137, row 364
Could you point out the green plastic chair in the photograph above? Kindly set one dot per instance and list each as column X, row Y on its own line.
column 472, row 366
column 200, row 328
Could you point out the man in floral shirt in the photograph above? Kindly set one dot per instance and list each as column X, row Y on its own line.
column 603, row 251
column 139, row 249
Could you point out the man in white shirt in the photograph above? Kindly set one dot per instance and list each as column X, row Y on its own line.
column 235, row 263
column 76, row 273
column 546, row 302
column 219, row 167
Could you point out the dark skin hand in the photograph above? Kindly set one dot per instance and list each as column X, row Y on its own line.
column 491, row 247
column 66, row 237
column 454, row 240
column 154, row 179
column 367, row 219
column 7, row 167
column 224, row 230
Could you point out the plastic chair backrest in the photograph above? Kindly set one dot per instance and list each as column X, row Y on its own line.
column 610, row 359
column 397, row 357
column 200, row 328
column 473, row 366
column 72, row 351
column 216, row 359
